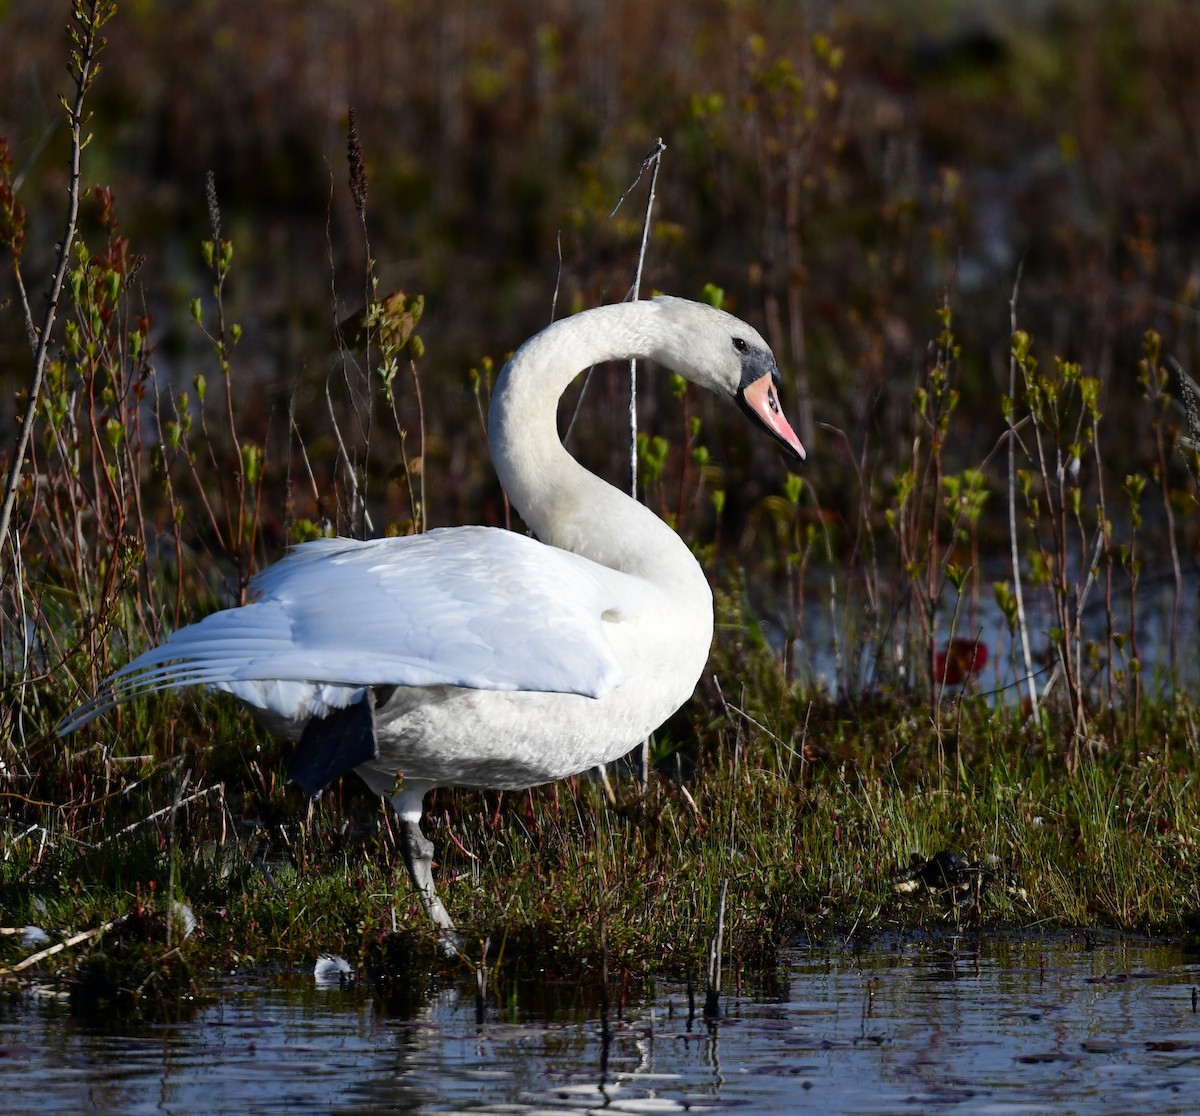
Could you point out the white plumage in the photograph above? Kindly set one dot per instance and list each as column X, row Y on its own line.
column 476, row 607
column 472, row 655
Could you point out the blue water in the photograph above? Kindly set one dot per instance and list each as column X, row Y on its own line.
column 956, row 1025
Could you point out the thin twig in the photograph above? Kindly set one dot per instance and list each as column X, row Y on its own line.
column 737, row 756
column 74, row 940
column 557, row 276
column 187, row 776
column 712, row 994
column 1018, row 596
column 358, row 190
column 652, row 160
column 356, row 499
column 159, row 813
column 91, row 43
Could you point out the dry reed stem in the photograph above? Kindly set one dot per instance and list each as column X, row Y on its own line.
column 1018, row 595
column 219, row 787
column 90, row 19
column 50, row 951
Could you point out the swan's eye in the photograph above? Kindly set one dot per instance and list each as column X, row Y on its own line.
column 740, row 345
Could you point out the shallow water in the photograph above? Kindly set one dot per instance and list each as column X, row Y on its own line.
column 819, row 651
column 998, row 1025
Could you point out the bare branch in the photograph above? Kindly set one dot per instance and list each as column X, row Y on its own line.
column 89, row 17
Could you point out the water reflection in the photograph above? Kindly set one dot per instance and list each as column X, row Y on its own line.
column 829, row 656
column 995, row 1025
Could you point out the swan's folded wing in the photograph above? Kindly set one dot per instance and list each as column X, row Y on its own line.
column 475, row 607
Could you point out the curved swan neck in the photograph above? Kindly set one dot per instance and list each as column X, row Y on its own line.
column 563, row 503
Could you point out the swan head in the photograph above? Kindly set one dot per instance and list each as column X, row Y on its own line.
column 730, row 358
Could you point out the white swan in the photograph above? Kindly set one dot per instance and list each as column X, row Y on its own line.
column 472, row 655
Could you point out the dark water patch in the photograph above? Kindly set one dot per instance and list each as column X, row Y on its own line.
column 958, row 1025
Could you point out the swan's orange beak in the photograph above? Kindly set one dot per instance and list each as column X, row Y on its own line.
column 760, row 400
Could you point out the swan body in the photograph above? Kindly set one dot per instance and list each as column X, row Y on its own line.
column 473, row 655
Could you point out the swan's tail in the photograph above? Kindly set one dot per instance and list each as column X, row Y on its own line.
column 241, row 650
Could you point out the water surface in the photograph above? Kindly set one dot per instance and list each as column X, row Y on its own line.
column 997, row 1025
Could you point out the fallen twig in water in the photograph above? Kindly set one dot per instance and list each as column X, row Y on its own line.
column 74, row 940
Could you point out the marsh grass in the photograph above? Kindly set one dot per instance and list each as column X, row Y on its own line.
column 143, row 505
column 809, row 853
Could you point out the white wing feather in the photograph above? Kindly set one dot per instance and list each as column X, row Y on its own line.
column 476, row 607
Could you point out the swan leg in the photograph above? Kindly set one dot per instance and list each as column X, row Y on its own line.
column 418, row 858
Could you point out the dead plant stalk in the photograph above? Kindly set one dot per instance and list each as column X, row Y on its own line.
column 87, row 20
